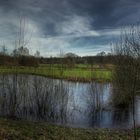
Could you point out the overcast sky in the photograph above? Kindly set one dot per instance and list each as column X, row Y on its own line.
column 84, row 27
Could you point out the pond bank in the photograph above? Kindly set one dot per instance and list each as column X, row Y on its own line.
column 25, row 130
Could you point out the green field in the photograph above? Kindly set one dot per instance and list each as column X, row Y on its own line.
column 83, row 73
column 25, row 130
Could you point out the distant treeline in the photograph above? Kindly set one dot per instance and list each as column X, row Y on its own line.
column 79, row 60
column 33, row 61
column 18, row 60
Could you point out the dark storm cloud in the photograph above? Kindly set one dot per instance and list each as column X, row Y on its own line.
column 109, row 13
column 104, row 13
column 45, row 13
column 68, row 24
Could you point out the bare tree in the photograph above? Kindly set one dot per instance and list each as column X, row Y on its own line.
column 61, row 67
column 3, row 49
column 20, row 41
column 127, row 69
column 37, row 54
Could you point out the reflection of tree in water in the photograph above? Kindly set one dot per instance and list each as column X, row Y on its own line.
column 120, row 116
column 34, row 97
column 95, row 103
column 99, row 110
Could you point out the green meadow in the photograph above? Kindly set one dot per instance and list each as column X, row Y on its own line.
column 80, row 72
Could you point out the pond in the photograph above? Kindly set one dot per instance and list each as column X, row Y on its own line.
column 76, row 104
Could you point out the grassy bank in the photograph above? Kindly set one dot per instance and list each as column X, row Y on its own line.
column 81, row 73
column 24, row 130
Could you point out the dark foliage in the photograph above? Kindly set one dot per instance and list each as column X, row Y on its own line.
column 20, row 60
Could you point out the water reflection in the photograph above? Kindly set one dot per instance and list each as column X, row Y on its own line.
column 73, row 104
column 34, row 98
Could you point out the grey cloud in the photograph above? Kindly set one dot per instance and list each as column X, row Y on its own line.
column 68, row 23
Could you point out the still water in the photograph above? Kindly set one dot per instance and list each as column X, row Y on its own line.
column 76, row 104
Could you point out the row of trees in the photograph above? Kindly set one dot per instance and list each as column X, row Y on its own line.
column 80, row 60
column 21, row 51
column 20, row 56
column 6, row 60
